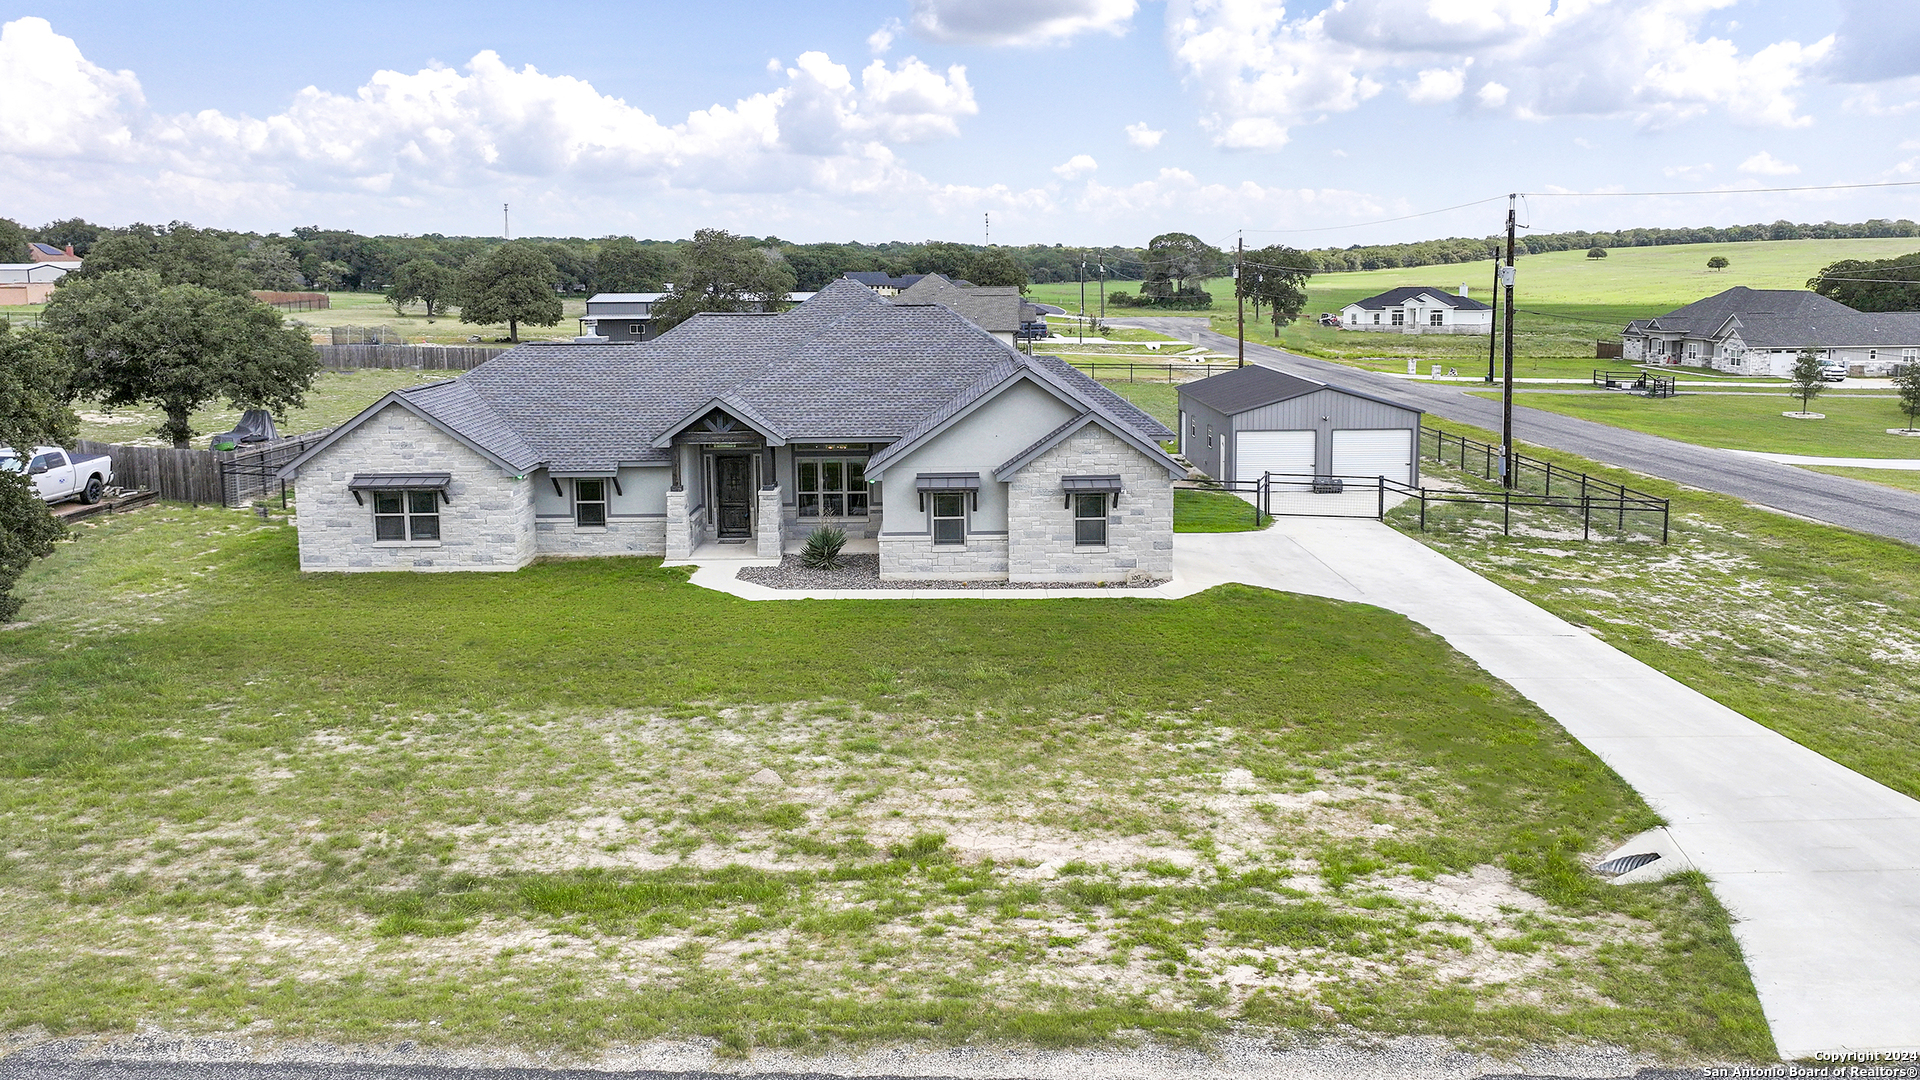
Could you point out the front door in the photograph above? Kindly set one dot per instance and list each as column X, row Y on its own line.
column 735, row 495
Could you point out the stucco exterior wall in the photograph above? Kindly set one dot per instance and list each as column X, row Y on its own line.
column 486, row 522
column 636, row 516
column 1040, row 536
column 996, row 431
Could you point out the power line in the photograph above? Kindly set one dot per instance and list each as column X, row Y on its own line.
column 1385, row 221
column 1601, row 195
column 1721, row 191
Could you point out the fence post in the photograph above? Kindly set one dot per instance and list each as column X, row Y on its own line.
column 1666, row 508
column 1383, row 497
column 1586, row 513
column 1423, row 509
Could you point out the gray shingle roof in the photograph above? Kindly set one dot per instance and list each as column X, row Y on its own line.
column 1396, row 297
column 844, row 366
column 994, row 308
column 1253, row 387
column 1785, row 319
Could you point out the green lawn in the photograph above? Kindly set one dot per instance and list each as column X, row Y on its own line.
column 1199, row 511
column 1899, row 478
column 337, row 396
column 588, row 802
column 1856, row 426
column 1809, row 629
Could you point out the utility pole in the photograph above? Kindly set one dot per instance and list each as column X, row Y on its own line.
column 1493, row 328
column 1506, row 393
column 988, row 218
column 1240, row 297
column 1103, row 297
column 506, row 233
column 1083, row 300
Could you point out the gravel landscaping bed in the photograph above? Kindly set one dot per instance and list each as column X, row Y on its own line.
column 863, row 572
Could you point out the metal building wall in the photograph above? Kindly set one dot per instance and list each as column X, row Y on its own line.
column 1324, row 411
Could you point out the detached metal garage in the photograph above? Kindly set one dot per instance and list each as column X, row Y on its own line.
column 1255, row 420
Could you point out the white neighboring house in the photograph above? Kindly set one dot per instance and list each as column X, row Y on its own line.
column 1418, row 309
column 1762, row 331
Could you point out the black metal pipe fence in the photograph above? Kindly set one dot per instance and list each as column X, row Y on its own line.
column 1133, row 371
column 1534, row 483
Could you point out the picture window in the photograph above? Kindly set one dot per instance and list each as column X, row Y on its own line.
column 1399, row 318
column 831, row 487
column 1435, row 319
column 401, row 516
column 590, row 504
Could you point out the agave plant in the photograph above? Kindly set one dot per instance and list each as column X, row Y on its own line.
column 823, row 549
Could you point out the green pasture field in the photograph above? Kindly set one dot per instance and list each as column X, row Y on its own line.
column 1581, row 300
column 588, row 803
column 1855, row 425
column 371, row 309
column 1809, row 629
column 336, row 397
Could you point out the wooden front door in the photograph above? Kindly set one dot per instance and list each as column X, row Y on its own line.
column 734, row 481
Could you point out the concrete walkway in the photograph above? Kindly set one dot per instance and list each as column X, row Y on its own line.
column 1844, row 462
column 1819, row 865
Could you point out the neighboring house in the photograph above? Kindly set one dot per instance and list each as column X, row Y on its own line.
column 1763, row 331
column 31, row 282
column 1418, row 309
column 1000, row 310
column 1255, row 420
column 47, row 253
column 626, row 317
column 909, row 425
column 886, row 284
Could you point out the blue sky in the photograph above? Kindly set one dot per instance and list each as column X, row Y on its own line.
column 1071, row 121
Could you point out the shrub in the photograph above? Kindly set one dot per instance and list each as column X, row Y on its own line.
column 823, row 549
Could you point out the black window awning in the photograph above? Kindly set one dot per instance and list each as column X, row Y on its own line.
column 436, row 481
column 965, row 483
column 947, row 482
column 1090, row 484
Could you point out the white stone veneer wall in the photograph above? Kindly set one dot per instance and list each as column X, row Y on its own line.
column 1040, row 525
column 486, row 524
column 906, row 556
column 621, row 536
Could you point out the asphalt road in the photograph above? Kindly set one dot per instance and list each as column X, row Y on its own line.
column 1854, row 504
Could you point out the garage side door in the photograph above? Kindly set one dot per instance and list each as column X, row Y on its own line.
column 1385, row 452
column 1256, row 452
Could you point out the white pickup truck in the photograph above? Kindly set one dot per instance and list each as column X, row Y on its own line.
column 57, row 476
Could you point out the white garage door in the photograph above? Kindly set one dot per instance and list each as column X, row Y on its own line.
column 1256, row 452
column 1386, row 452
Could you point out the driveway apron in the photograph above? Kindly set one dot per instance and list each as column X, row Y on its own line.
column 1819, row 865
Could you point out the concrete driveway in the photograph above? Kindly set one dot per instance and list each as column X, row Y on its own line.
column 1855, row 504
column 1819, row 865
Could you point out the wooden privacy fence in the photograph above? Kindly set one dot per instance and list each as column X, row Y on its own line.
column 419, row 357
column 224, row 477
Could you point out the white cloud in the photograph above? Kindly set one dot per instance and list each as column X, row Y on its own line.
column 1437, row 85
column 488, row 126
column 1075, row 167
column 1259, row 72
column 1019, row 22
column 1688, row 172
column 1142, row 137
column 55, row 103
column 1765, row 164
column 882, row 39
